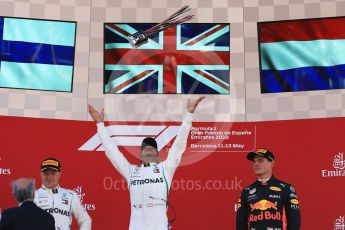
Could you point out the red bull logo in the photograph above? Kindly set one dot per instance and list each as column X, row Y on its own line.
column 265, row 215
column 263, row 205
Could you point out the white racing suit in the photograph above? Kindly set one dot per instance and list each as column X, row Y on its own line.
column 61, row 203
column 148, row 185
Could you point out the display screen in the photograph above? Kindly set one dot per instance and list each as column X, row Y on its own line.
column 302, row 55
column 186, row 59
column 37, row 54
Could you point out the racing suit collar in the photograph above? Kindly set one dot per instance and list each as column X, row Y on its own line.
column 265, row 181
column 148, row 164
column 54, row 190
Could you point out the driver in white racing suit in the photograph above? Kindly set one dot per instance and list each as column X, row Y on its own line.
column 148, row 183
column 59, row 202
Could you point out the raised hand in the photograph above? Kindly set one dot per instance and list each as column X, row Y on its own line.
column 96, row 115
column 192, row 104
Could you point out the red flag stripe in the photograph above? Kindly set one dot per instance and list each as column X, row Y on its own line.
column 141, row 75
column 205, row 35
column 221, row 84
column 119, row 29
column 152, row 57
column 302, row 30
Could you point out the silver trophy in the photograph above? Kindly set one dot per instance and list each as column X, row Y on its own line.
column 141, row 37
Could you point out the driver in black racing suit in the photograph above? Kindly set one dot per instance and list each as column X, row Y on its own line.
column 268, row 203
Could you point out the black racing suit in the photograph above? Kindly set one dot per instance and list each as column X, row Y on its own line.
column 272, row 205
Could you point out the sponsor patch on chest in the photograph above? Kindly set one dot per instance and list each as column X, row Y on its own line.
column 147, row 181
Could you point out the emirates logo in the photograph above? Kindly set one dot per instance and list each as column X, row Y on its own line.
column 339, row 223
column 338, row 167
column 339, row 162
column 81, row 195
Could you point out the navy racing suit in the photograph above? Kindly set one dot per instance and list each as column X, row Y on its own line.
column 270, row 205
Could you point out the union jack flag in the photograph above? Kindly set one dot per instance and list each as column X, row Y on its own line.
column 187, row 59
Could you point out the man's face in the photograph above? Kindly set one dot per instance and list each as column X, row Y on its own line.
column 149, row 154
column 50, row 178
column 262, row 166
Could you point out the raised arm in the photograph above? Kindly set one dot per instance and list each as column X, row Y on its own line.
column 180, row 143
column 111, row 151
